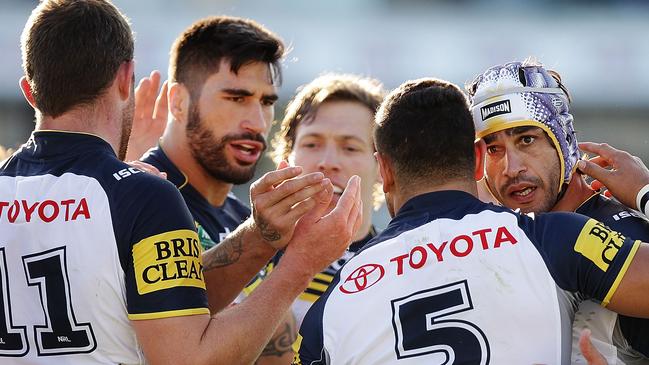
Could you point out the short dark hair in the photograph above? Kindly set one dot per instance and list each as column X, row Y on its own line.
column 199, row 50
column 71, row 52
column 329, row 87
column 425, row 129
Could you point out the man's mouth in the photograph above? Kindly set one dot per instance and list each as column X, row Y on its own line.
column 338, row 190
column 524, row 192
column 247, row 152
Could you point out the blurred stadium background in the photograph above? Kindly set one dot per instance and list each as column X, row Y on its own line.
column 600, row 47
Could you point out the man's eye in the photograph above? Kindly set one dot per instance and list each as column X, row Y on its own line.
column 268, row 102
column 492, row 149
column 236, row 99
column 527, row 139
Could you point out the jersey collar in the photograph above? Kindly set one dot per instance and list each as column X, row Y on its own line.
column 52, row 144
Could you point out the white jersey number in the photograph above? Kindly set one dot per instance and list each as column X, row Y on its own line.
column 419, row 330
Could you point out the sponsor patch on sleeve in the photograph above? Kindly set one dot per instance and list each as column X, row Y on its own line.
column 599, row 244
column 168, row 260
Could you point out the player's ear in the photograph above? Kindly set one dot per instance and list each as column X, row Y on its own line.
column 480, row 149
column 178, row 99
column 386, row 172
column 125, row 79
column 27, row 91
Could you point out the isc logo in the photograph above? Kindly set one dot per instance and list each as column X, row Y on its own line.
column 124, row 173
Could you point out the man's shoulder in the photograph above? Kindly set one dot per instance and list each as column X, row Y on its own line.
column 157, row 158
column 605, row 209
column 616, row 215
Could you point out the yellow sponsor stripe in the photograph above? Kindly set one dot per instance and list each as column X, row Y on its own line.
column 168, row 260
column 168, row 314
column 296, row 350
column 309, row 297
column 598, row 243
column 324, row 277
column 317, row 286
column 620, row 275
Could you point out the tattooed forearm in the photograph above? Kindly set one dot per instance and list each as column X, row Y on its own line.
column 282, row 341
column 268, row 233
column 226, row 253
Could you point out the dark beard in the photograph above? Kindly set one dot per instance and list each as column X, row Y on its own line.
column 210, row 152
column 127, row 125
column 549, row 200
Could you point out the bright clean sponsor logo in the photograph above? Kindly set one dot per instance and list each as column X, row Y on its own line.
column 168, row 260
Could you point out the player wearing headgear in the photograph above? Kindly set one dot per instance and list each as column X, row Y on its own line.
column 453, row 280
column 521, row 110
column 99, row 262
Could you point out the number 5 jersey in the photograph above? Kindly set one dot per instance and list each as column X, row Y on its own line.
column 453, row 280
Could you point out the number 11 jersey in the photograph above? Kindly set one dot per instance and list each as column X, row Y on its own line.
column 88, row 244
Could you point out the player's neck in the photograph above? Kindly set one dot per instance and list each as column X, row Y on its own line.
column 96, row 119
column 364, row 230
column 412, row 190
column 177, row 149
column 576, row 194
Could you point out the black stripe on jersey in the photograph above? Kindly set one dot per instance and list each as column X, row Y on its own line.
column 313, row 291
column 321, row 281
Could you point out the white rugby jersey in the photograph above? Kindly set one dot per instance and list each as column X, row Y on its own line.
column 453, row 280
column 88, row 243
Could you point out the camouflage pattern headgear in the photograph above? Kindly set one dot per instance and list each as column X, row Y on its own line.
column 514, row 95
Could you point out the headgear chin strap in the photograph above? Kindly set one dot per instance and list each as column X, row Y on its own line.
column 513, row 95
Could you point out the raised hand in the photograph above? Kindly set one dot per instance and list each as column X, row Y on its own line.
column 148, row 168
column 280, row 198
column 150, row 117
column 319, row 240
column 618, row 171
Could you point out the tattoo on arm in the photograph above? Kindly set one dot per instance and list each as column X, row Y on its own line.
column 282, row 341
column 226, row 253
column 268, row 233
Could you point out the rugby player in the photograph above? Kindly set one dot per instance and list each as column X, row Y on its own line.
column 521, row 110
column 226, row 71
column 99, row 262
column 327, row 128
column 453, row 280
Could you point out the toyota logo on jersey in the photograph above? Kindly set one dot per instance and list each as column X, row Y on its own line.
column 362, row 278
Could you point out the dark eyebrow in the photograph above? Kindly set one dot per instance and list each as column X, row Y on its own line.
column 244, row 92
column 270, row 97
column 512, row 132
column 238, row 92
column 522, row 130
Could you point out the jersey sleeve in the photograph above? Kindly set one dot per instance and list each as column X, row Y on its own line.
column 309, row 346
column 159, row 250
column 582, row 254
